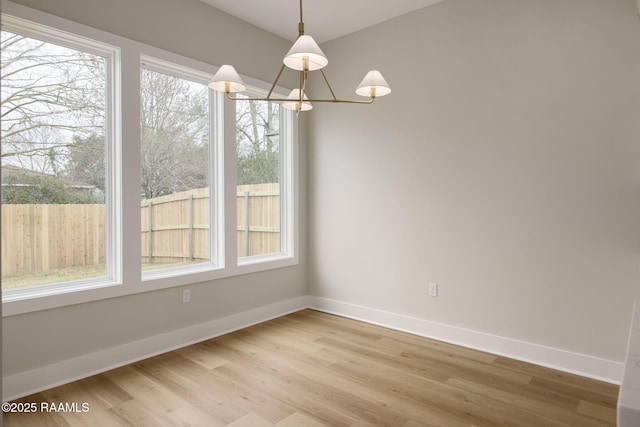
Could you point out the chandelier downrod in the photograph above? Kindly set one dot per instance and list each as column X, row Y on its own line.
column 301, row 23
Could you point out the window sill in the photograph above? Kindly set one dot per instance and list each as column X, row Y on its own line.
column 65, row 294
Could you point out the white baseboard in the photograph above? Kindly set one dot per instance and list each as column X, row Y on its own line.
column 576, row 363
column 25, row 383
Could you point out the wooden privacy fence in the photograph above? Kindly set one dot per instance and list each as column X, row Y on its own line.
column 258, row 219
column 47, row 237
column 174, row 229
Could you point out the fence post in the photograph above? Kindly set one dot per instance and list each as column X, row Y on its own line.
column 190, row 226
column 246, row 223
column 150, row 216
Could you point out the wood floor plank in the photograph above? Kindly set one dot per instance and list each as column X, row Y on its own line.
column 284, row 389
column 299, row 420
column 250, row 420
column 202, row 355
column 599, row 412
column 590, row 392
column 189, row 380
column 424, row 395
column 532, row 411
column 312, row 369
column 565, row 382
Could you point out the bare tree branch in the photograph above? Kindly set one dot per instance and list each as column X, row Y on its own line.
column 49, row 94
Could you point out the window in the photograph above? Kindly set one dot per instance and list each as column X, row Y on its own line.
column 175, row 168
column 264, row 175
column 122, row 172
column 57, row 160
column 258, row 177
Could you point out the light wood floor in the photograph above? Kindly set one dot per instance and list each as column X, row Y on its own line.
column 315, row 369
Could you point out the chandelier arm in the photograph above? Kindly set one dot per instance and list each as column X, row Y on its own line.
column 342, row 101
column 337, row 101
column 328, row 85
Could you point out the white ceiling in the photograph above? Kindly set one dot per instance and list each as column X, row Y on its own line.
column 324, row 19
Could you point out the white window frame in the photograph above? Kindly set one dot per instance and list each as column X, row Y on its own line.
column 125, row 178
column 113, row 141
column 215, row 169
column 286, row 149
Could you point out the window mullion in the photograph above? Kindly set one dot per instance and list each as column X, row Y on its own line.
column 129, row 167
column 229, row 175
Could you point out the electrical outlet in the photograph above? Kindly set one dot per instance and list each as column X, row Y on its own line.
column 433, row 289
column 186, row 296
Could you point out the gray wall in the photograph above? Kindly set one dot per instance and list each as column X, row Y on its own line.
column 505, row 166
column 190, row 28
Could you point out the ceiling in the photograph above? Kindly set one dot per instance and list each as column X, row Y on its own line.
column 324, row 19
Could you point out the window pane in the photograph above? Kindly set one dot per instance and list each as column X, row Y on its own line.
column 175, row 168
column 53, row 163
column 258, row 164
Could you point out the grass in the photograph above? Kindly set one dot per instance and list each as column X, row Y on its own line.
column 24, row 280
column 52, row 276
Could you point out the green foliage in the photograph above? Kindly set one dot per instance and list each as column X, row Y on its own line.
column 257, row 142
column 43, row 189
column 259, row 168
column 87, row 160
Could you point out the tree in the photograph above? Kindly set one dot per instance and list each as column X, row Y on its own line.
column 53, row 118
column 50, row 95
column 53, row 121
column 26, row 188
column 86, row 161
column 257, row 134
column 175, row 134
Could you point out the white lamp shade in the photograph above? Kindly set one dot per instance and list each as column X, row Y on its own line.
column 293, row 105
column 373, row 85
column 227, row 79
column 305, row 47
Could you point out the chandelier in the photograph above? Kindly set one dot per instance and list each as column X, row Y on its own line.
column 305, row 55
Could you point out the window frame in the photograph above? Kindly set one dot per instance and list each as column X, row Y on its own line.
column 113, row 141
column 215, row 170
column 126, row 159
column 287, row 195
